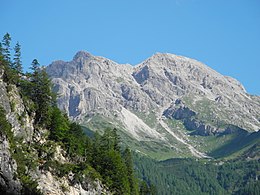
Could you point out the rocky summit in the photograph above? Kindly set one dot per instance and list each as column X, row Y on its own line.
column 168, row 104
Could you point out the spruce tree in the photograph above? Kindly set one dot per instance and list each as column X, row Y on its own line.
column 97, row 151
column 6, row 47
column 17, row 63
column 2, row 63
column 41, row 94
column 35, row 66
column 9, row 76
column 111, row 140
column 115, row 172
column 59, row 125
column 130, row 171
column 116, row 139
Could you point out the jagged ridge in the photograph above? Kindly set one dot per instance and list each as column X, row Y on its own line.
column 90, row 85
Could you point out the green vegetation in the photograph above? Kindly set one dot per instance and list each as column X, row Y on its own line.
column 149, row 119
column 102, row 157
column 155, row 149
column 89, row 159
column 188, row 176
column 212, row 113
column 22, row 154
column 191, row 176
column 218, row 146
column 240, row 142
column 208, row 111
column 98, row 123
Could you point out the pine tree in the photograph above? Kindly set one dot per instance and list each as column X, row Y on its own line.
column 59, row 125
column 41, row 94
column 2, row 61
column 17, row 64
column 130, row 171
column 6, row 47
column 35, row 66
column 116, row 139
column 10, row 77
column 97, row 152
column 115, row 172
column 111, row 140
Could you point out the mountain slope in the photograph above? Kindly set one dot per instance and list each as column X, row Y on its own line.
column 30, row 161
column 167, row 104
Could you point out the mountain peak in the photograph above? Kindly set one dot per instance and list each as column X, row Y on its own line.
column 82, row 54
column 90, row 83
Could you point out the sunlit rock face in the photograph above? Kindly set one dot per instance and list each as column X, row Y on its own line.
column 164, row 86
column 95, row 84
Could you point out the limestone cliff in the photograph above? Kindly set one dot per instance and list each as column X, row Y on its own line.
column 22, row 170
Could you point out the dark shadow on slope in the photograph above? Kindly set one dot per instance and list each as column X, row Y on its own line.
column 88, row 132
column 241, row 140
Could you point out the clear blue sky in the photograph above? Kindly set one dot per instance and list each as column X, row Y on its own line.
column 224, row 34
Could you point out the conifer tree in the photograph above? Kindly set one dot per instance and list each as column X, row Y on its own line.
column 97, row 152
column 116, row 139
column 130, row 171
column 35, row 66
column 2, row 61
column 17, row 63
column 42, row 94
column 2, row 64
column 111, row 140
column 6, row 47
column 115, row 172
column 9, row 75
column 59, row 125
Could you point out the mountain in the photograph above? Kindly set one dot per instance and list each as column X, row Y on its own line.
column 167, row 106
column 164, row 109
column 42, row 152
column 30, row 161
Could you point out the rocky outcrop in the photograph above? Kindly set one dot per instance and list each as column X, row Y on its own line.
column 90, row 84
column 142, row 75
column 200, row 128
column 191, row 122
column 50, row 184
column 179, row 113
column 9, row 183
column 22, row 134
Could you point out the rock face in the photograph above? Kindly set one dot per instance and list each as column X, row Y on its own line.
column 89, row 84
column 8, row 167
column 164, row 85
column 22, row 129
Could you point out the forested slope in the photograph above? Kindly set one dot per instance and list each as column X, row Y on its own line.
column 42, row 151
